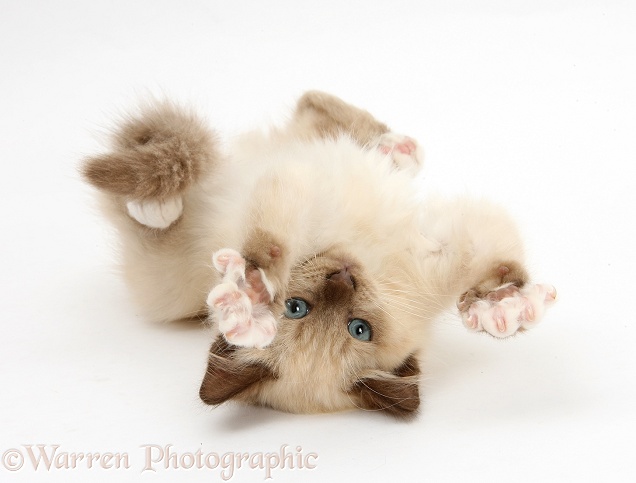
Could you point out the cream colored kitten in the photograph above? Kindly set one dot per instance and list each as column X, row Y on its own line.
column 307, row 248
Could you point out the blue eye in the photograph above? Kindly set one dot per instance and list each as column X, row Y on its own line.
column 360, row 329
column 296, row 308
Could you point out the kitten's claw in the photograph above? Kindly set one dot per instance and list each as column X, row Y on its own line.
column 240, row 322
column 405, row 152
column 239, row 303
column 505, row 310
column 230, row 264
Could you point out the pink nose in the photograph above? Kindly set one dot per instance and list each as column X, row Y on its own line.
column 343, row 276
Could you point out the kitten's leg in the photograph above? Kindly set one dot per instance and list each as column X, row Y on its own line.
column 481, row 260
column 251, row 291
column 151, row 182
column 325, row 116
column 277, row 239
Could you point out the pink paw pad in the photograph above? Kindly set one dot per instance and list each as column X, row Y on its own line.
column 407, row 146
column 239, row 302
column 404, row 151
column 504, row 311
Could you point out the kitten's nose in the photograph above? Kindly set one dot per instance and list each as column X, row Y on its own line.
column 343, row 276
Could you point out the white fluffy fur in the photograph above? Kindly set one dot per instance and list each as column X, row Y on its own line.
column 156, row 214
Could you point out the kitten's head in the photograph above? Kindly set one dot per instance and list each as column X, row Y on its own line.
column 345, row 340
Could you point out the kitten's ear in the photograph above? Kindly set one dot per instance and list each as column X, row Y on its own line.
column 225, row 377
column 397, row 393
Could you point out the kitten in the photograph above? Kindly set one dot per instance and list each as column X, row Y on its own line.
column 327, row 272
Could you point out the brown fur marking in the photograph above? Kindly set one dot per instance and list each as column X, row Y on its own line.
column 330, row 117
column 262, row 250
column 225, row 378
column 158, row 154
column 502, row 273
column 397, row 394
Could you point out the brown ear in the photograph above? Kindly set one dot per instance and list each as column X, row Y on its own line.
column 226, row 377
column 397, row 393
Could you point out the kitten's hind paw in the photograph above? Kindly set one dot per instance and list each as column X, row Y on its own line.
column 405, row 152
column 506, row 309
column 240, row 302
column 155, row 213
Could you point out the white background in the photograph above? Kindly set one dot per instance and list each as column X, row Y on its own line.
column 531, row 104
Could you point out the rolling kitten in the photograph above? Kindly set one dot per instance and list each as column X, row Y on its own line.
column 327, row 272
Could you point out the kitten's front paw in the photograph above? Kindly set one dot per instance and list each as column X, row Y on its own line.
column 406, row 153
column 239, row 303
column 506, row 309
column 154, row 213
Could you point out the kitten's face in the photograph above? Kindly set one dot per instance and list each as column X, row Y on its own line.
column 339, row 345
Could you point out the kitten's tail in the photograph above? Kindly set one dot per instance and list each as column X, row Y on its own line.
column 156, row 154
